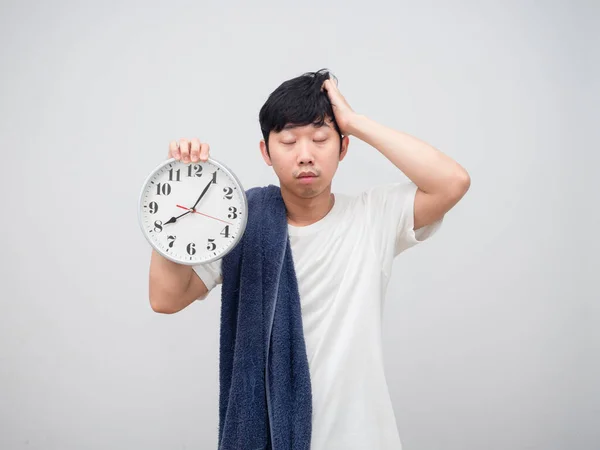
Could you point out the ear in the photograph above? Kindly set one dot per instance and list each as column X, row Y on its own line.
column 345, row 143
column 263, row 152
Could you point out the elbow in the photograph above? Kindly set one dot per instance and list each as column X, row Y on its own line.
column 161, row 307
column 466, row 181
column 460, row 185
column 161, row 303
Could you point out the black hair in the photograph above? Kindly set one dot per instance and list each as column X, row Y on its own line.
column 299, row 101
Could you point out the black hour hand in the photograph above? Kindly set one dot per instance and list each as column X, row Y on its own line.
column 174, row 218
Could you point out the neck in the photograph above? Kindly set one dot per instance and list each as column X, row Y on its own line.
column 306, row 211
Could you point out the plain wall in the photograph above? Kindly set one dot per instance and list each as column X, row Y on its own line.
column 491, row 327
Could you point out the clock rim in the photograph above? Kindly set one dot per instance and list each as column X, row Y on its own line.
column 236, row 240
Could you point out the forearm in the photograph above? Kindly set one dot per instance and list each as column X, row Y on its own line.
column 169, row 284
column 430, row 169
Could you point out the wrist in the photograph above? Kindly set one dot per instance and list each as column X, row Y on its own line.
column 356, row 125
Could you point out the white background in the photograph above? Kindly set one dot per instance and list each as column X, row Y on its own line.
column 491, row 328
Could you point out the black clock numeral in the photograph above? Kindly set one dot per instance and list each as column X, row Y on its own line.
column 171, row 241
column 163, row 189
column 158, row 226
column 233, row 214
column 195, row 167
column 228, row 192
column 191, row 248
column 225, row 231
column 153, row 207
column 214, row 180
column 177, row 175
column 211, row 245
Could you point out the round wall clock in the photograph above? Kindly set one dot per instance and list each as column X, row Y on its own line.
column 192, row 213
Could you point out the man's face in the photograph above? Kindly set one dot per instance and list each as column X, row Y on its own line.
column 295, row 151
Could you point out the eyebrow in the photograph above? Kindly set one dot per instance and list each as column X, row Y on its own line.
column 289, row 126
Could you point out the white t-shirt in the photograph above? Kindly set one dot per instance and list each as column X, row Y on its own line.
column 343, row 263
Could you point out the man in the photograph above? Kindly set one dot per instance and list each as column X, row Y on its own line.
column 343, row 248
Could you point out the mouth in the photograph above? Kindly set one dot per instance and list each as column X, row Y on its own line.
column 305, row 179
column 306, row 174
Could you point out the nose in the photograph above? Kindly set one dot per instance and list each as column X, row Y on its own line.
column 305, row 154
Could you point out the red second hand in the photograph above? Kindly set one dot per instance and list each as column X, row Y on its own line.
column 198, row 212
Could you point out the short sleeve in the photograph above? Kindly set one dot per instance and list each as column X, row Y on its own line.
column 210, row 273
column 390, row 208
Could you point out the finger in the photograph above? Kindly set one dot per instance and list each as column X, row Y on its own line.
column 174, row 150
column 332, row 86
column 204, row 152
column 184, row 148
column 195, row 150
column 324, row 86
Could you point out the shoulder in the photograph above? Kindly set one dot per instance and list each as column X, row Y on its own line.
column 384, row 195
column 257, row 192
column 394, row 190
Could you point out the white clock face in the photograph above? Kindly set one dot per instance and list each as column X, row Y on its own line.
column 192, row 213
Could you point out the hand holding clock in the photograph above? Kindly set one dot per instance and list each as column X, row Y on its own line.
column 188, row 174
column 189, row 151
column 186, row 151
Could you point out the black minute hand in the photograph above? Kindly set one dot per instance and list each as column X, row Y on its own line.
column 202, row 195
column 174, row 218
